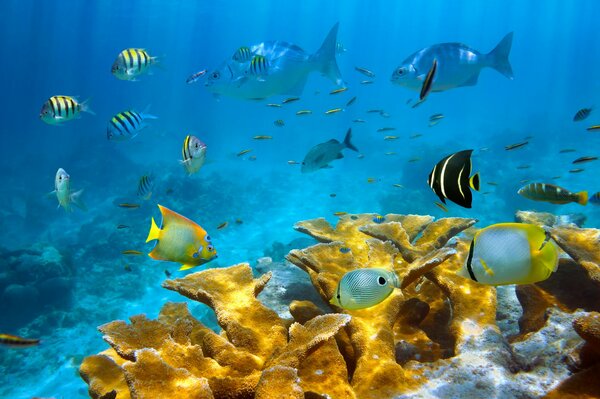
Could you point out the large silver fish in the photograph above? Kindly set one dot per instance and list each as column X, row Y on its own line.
column 320, row 155
column 458, row 65
column 287, row 72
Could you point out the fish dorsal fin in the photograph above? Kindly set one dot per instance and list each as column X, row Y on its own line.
column 170, row 218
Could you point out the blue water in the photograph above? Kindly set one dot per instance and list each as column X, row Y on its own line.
column 73, row 278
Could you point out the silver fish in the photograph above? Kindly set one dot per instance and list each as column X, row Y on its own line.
column 322, row 154
column 62, row 189
column 458, row 65
column 289, row 67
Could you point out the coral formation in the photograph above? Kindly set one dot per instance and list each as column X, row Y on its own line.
column 437, row 333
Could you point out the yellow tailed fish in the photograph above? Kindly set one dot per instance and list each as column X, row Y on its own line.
column 510, row 253
column 363, row 288
column 180, row 240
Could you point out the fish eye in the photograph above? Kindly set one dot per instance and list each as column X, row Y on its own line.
column 210, row 248
column 381, row 280
column 400, row 71
column 216, row 75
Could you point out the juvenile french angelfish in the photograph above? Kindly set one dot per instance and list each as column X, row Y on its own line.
column 127, row 124
column 279, row 68
column 458, row 65
column 59, row 109
column 180, row 240
column 363, row 288
column 510, row 253
column 131, row 63
column 62, row 189
column 193, row 153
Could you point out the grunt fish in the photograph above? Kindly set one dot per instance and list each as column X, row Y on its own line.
column 239, row 154
column 319, row 156
column 262, row 137
column 195, row 77
column 131, row 252
column 333, row 111
column 304, row 112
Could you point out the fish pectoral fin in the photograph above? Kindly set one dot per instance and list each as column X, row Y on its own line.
column 339, row 156
column 186, row 267
column 154, row 232
column 326, row 167
column 487, row 269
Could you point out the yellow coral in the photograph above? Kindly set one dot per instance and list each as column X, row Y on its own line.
column 367, row 353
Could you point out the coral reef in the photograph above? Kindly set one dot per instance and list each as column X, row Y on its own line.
column 437, row 335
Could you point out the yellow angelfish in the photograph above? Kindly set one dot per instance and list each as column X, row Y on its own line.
column 363, row 288
column 510, row 253
column 180, row 240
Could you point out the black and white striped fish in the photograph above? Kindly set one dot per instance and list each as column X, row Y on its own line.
column 131, row 63
column 145, row 187
column 450, row 179
column 242, row 54
column 59, row 109
column 582, row 114
column 126, row 125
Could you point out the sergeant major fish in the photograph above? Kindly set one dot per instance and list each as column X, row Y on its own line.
column 62, row 189
column 319, row 156
column 458, row 65
column 127, row 124
column 59, row 109
column 288, row 70
column 131, row 63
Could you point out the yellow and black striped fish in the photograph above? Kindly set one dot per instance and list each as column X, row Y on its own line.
column 131, row 63
column 553, row 194
column 145, row 186
column 59, row 109
column 14, row 341
column 450, row 179
column 259, row 65
column 126, row 125
column 242, row 54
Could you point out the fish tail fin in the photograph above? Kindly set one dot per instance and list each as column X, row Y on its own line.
column 77, row 201
column 583, row 198
column 154, row 232
column 324, row 58
column 347, row 142
column 85, row 107
column 498, row 57
column 145, row 113
column 474, row 181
